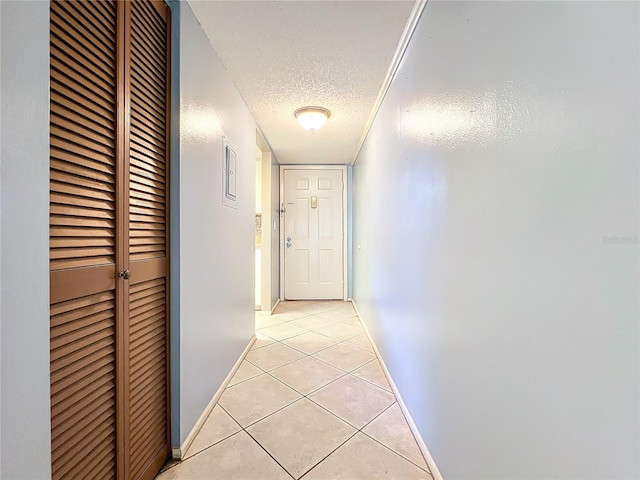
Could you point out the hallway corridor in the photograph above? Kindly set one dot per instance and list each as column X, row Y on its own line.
column 309, row 401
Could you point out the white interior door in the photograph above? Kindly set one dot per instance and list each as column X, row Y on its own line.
column 313, row 234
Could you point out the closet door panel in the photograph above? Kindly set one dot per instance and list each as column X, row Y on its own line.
column 148, row 327
column 83, row 242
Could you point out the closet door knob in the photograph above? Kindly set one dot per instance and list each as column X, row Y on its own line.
column 126, row 275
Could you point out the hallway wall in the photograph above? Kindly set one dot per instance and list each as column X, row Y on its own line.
column 214, row 275
column 496, row 237
column 25, row 438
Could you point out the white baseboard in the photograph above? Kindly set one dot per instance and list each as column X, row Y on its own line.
column 423, row 447
column 275, row 306
column 178, row 453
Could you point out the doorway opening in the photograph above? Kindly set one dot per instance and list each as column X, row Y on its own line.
column 267, row 231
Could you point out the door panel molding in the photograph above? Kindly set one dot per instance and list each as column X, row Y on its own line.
column 80, row 282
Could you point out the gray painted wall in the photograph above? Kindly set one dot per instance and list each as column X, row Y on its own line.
column 24, row 258
column 216, row 269
column 496, row 237
column 174, row 226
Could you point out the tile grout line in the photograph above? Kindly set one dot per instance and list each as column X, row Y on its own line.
column 244, row 429
column 306, row 396
column 211, row 446
column 336, row 415
column 338, row 342
column 374, row 384
column 312, row 355
column 398, row 453
column 329, row 454
column 360, row 430
column 267, row 452
column 357, row 430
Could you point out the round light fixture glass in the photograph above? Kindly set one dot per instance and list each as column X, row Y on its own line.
column 312, row 118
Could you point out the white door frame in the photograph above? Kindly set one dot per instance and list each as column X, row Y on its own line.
column 345, row 186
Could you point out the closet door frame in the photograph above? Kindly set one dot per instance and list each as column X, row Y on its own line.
column 122, row 228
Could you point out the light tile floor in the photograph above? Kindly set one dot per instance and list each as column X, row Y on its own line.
column 310, row 401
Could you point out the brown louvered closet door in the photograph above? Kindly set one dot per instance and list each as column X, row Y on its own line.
column 148, row 346
column 108, row 239
column 83, row 240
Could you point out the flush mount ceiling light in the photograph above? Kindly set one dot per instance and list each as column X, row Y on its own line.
column 312, row 118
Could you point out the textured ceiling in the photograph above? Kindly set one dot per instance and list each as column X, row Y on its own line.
column 283, row 55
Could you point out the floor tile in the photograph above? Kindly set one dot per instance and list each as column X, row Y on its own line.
column 261, row 341
column 313, row 321
column 335, row 304
column 254, row 399
column 273, row 356
column 238, row 457
column 353, row 321
column 391, row 429
column 304, row 410
column 345, row 356
column 307, row 374
column 339, row 313
column 218, row 426
column 318, row 307
column 290, row 315
column 301, row 435
column 283, row 331
column 310, row 342
column 339, row 331
column 284, row 306
column 361, row 458
column 265, row 321
column 289, row 305
column 372, row 372
column 360, row 341
column 299, row 303
column 246, row 371
column 353, row 400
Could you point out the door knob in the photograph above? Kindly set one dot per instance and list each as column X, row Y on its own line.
column 288, row 244
column 125, row 274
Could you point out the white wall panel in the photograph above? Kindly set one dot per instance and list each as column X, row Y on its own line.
column 25, row 443
column 496, row 237
column 216, row 271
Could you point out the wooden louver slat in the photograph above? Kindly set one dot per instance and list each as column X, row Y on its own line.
column 82, row 362
column 147, row 363
column 148, row 99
